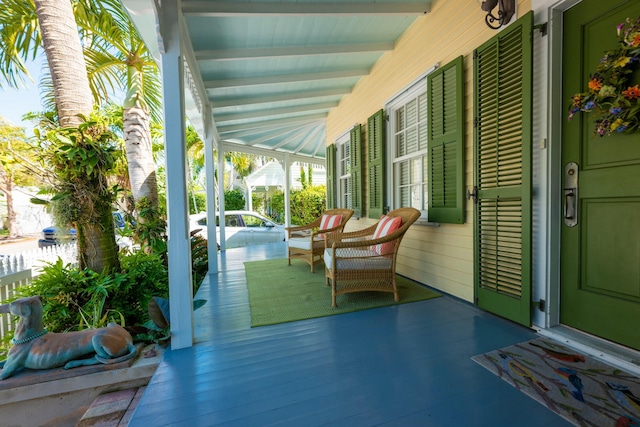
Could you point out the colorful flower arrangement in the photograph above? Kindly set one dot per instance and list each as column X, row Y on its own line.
column 610, row 94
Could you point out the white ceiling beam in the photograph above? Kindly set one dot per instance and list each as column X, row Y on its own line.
column 265, row 123
column 237, row 102
column 284, row 78
column 309, row 139
column 242, row 8
column 294, row 137
column 288, row 51
column 257, row 120
column 230, row 145
column 249, row 132
column 276, row 134
column 321, row 144
column 272, row 112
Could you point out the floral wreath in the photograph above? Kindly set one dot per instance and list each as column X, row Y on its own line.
column 610, row 95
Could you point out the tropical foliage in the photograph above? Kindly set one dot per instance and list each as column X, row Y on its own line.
column 81, row 159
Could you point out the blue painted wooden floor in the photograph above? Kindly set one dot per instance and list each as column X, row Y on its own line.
column 406, row 365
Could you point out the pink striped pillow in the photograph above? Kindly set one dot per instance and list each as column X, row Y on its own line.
column 329, row 221
column 386, row 226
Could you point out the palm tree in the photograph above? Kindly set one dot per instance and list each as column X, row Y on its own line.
column 117, row 59
column 25, row 28
column 66, row 62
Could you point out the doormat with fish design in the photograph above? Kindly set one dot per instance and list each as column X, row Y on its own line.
column 577, row 387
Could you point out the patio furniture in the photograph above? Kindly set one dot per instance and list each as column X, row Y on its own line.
column 365, row 260
column 306, row 242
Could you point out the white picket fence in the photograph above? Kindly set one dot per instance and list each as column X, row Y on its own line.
column 18, row 269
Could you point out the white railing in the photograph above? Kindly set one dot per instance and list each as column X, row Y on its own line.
column 17, row 270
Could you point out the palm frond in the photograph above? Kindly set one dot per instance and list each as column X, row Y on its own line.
column 19, row 40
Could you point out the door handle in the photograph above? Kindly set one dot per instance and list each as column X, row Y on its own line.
column 570, row 195
column 569, row 203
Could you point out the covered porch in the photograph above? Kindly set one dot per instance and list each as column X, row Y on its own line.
column 402, row 365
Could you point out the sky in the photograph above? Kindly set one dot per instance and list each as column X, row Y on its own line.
column 14, row 103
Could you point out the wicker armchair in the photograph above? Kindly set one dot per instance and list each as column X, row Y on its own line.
column 306, row 242
column 357, row 261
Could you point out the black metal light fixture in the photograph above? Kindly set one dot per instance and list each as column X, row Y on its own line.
column 506, row 9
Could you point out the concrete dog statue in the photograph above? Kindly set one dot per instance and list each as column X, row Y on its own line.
column 35, row 348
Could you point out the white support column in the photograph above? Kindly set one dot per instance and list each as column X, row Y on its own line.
column 223, row 245
column 287, row 187
column 209, row 166
column 178, row 242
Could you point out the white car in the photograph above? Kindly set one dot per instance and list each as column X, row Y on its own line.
column 242, row 228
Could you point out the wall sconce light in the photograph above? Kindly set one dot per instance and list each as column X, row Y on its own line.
column 506, row 9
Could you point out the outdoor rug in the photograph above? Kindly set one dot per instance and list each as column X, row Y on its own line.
column 584, row 391
column 280, row 293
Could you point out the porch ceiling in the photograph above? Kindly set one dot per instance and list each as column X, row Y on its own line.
column 272, row 70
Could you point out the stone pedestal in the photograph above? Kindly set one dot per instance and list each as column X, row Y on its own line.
column 59, row 397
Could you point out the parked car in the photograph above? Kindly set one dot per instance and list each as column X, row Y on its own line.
column 242, row 228
column 54, row 236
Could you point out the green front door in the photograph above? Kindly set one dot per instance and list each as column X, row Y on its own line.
column 600, row 237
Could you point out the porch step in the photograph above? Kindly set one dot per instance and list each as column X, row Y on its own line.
column 112, row 409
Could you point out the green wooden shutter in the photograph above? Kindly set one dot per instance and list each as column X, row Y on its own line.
column 331, row 174
column 376, row 151
column 503, row 75
column 356, row 162
column 445, row 106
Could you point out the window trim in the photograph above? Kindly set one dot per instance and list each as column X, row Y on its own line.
column 416, row 88
column 340, row 141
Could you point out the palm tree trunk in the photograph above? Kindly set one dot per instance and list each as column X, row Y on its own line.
column 142, row 169
column 66, row 61
column 97, row 248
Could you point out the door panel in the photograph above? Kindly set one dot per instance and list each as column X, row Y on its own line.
column 600, row 256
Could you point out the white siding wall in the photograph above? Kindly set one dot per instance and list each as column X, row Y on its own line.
column 441, row 257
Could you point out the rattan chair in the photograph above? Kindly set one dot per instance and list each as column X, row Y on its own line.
column 357, row 262
column 306, row 242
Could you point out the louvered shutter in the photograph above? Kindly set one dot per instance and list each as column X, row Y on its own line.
column 355, row 148
column 376, row 151
column 503, row 76
column 445, row 98
column 331, row 174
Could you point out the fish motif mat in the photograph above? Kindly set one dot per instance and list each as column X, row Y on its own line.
column 577, row 387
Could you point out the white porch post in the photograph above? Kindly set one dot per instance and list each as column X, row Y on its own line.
column 209, row 166
column 287, row 187
column 178, row 243
column 223, row 245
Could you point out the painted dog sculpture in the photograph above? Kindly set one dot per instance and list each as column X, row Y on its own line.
column 35, row 348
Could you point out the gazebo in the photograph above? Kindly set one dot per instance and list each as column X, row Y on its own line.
column 271, row 177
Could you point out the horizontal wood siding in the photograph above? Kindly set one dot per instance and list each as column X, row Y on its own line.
column 441, row 257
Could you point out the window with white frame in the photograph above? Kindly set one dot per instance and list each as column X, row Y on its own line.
column 343, row 171
column 407, row 147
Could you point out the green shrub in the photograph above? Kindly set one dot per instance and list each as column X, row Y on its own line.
column 199, row 260
column 200, row 203
column 308, row 204
column 275, row 207
column 234, row 200
column 75, row 299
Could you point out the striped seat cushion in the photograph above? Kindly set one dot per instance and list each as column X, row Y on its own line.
column 329, row 221
column 386, row 226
